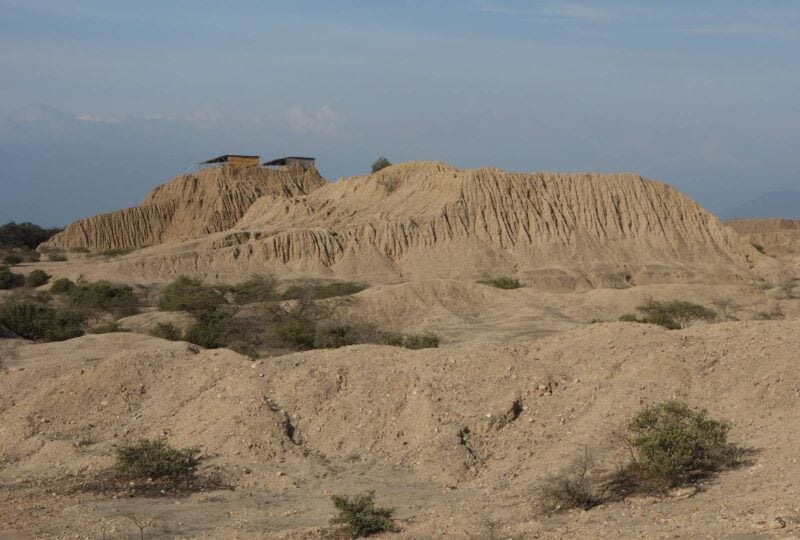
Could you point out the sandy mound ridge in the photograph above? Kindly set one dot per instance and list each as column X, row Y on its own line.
column 493, row 421
column 187, row 206
column 422, row 220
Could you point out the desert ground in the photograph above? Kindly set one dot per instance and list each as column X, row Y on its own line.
column 460, row 439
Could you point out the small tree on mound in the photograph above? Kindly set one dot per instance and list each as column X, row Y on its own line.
column 360, row 517
column 380, row 163
column 156, row 459
column 673, row 443
column 186, row 294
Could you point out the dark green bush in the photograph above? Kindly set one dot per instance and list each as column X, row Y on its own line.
column 36, row 278
column 32, row 320
column 24, row 234
column 56, row 256
column 186, row 294
column 255, row 289
column 12, row 259
column 503, row 283
column 9, row 280
column 380, row 163
column 167, row 331
column 312, row 291
column 360, row 517
column 295, row 330
column 62, row 286
column 674, row 444
column 210, row 330
column 156, row 459
column 103, row 296
column 413, row 341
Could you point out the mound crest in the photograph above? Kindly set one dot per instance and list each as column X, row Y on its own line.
column 188, row 206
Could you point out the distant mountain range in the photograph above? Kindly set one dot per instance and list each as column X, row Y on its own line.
column 776, row 204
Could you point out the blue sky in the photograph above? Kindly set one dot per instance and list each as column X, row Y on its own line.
column 101, row 100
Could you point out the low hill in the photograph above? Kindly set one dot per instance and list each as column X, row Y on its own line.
column 775, row 236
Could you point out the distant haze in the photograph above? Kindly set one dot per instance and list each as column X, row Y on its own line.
column 783, row 204
column 102, row 100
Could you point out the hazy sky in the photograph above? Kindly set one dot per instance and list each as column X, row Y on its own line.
column 101, row 100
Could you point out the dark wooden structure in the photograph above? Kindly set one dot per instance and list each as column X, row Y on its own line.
column 234, row 160
column 304, row 162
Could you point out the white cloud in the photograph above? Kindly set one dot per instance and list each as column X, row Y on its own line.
column 565, row 11
column 303, row 120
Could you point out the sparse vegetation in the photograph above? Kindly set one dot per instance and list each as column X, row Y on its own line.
column 186, row 294
column 759, row 248
column 413, row 341
column 56, row 256
column 502, row 283
column 36, row 321
column 167, row 331
column 315, row 291
column 36, row 278
column 118, row 252
column 105, row 328
column 12, row 259
column 675, row 444
column 156, row 459
column 359, row 516
column 380, row 163
column 673, row 315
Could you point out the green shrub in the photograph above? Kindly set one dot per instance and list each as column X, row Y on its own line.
column 360, row 517
column 32, row 320
column 62, row 286
column 674, row 444
column 36, row 278
column 186, row 294
column 255, row 289
column 503, row 283
column 380, row 163
column 210, row 330
column 335, row 336
column 12, row 260
column 295, row 331
column 166, row 331
column 56, row 256
column 156, row 459
column 103, row 296
column 413, row 341
column 629, row 317
column 311, row 291
column 759, row 248
column 9, row 280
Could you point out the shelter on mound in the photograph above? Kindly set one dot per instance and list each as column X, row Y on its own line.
column 234, row 160
column 304, row 162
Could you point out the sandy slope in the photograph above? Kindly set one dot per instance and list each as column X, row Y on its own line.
column 471, row 430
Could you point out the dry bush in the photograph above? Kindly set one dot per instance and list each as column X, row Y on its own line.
column 502, row 283
column 572, row 487
column 155, row 459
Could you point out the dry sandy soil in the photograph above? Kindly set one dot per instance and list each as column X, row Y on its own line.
column 460, row 439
